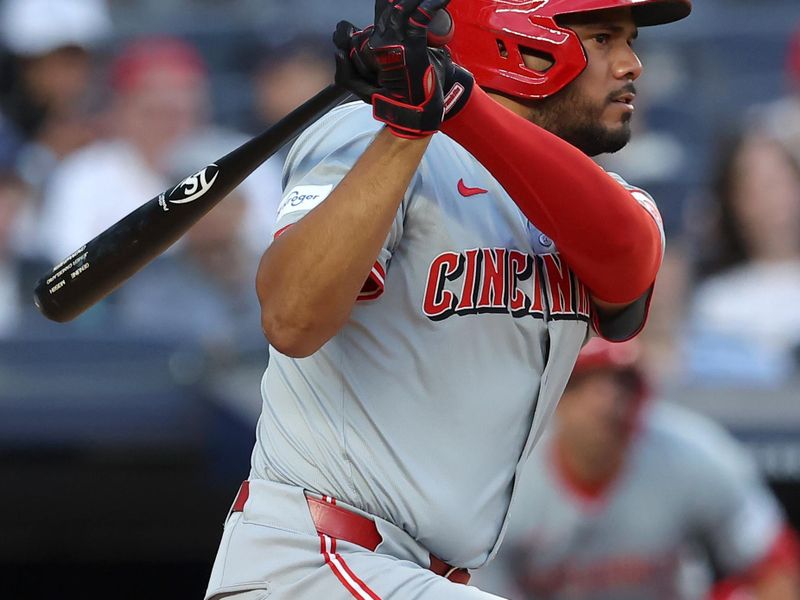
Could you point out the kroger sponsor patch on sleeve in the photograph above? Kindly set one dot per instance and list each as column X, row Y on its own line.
column 302, row 199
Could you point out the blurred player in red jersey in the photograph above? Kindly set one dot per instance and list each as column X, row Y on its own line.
column 621, row 491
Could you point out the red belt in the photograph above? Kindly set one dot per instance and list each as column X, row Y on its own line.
column 341, row 524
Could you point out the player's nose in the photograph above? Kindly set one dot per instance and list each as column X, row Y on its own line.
column 627, row 65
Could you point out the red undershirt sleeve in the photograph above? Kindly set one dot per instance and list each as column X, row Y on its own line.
column 783, row 556
column 611, row 241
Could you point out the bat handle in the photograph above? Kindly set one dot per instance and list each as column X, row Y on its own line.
column 441, row 29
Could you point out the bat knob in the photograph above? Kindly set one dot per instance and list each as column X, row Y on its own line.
column 440, row 29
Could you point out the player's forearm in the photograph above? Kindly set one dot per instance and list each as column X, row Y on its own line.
column 609, row 241
column 311, row 275
column 777, row 584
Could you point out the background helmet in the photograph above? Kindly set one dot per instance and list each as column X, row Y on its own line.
column 490, row 36
column 601, row 355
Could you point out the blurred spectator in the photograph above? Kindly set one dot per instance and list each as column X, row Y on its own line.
column 160, row 95
column 289, row 75
column 46, row 91
column 620, row 497
column 14, row 194
column 744, row 323
column 159, row 111
column 203, row 291
column 261, row 191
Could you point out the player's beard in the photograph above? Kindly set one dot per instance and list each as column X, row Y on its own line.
column 576, row 119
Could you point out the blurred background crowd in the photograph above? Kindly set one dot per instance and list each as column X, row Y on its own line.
column 123, row 434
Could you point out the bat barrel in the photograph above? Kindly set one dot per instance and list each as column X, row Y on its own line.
column 99, row 267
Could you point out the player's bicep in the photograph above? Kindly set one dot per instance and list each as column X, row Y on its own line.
column 308, row 197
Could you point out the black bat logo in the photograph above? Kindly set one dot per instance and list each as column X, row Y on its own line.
column 194, row 186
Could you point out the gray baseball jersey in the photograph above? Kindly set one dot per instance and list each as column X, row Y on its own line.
column 423, row 407
column 686, row 481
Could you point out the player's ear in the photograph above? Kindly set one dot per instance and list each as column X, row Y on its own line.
column 537, row 61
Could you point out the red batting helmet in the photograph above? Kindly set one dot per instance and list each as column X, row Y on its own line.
column 490, row 36
column 600, row 355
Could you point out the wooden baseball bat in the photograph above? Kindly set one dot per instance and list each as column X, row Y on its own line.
column 103, row 264
column 100, row 266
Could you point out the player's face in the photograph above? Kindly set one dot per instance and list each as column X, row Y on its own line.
column 594, row 112
column 598, row 410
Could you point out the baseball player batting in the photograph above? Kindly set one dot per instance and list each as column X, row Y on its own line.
column 426, row 294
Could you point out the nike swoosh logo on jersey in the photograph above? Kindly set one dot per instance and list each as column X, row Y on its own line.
column 469, row 191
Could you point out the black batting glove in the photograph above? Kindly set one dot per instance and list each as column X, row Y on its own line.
column 388, row 65
column 456, row 82
column 352, row 73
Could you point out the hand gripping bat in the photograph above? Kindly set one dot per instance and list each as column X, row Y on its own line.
column 101, row 265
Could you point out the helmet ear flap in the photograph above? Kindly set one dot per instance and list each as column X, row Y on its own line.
column 493, row 45
column 536, row 60
column 555, row 57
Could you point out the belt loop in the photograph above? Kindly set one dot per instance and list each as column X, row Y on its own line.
column 241, row 497
column 457, row 575
column 449, row 572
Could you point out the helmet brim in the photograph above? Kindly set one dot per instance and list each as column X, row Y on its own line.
column 660, row 12
column 645, row 12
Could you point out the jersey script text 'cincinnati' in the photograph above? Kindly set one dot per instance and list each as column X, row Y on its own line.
column 502, row 280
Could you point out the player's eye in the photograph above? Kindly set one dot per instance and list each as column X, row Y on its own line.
column 602, row 38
